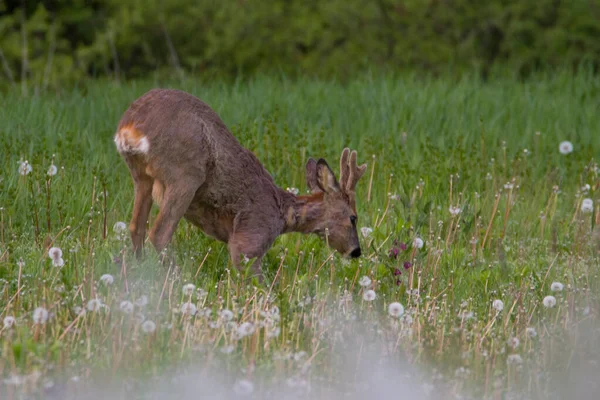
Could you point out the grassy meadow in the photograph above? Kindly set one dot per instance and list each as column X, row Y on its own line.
column 474, row 218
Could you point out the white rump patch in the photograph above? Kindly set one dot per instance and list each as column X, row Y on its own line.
column 130, row 141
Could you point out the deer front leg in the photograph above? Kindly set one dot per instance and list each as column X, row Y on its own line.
column 240, row 246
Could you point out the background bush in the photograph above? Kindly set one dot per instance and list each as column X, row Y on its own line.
column 50, row 42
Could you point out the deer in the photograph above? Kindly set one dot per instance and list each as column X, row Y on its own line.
column 181, row 156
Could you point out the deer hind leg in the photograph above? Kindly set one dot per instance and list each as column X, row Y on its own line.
column 141, row 205
column 175, row 202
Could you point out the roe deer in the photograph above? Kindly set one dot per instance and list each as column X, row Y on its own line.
column 181, row 154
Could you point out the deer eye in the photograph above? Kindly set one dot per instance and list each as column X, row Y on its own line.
column 353, row 219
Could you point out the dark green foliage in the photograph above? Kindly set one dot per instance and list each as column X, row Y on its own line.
column 66, row 41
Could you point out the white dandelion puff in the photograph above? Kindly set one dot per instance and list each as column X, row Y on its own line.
column 119, row 227
column 365, row 281
column 557, row 287
column 9, row 322
column 126, row 307
column 549, row 301
column 369, row 295
column 25, row 168
column 107, row 279
column 366, row 231
column 148, row 326
column 40, row 316
column 514, row 359
column 395, row 309
column 58, row 262
column 418, row 243
column 55, row 253
column 188, row 289
column 52, row 170
column 245, row 329
column 142, row 301
column 498, row 305
column 531, row 332
column 454, row 211
column 274, row 332
column 514, row 342
column 188, row 309
column 565, row 147
column 243, row 387
column 587, row 205
column 94, row 305
column 226, row 315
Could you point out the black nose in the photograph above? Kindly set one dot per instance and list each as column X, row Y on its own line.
column 355, row 253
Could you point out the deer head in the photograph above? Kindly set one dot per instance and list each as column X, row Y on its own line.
column 337, row 218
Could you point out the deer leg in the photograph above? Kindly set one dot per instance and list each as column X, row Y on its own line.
column 240, row 247
column 141, row 207
column 176, row 200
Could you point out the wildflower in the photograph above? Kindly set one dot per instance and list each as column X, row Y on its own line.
column 366, row 231
column 397, row 271
column 369, row 295
column 395, row 309
column 188, row 289
column 107, row 279
column 514, row 359
column 418, row 243
column 365, row 281
column 557, row 287
column 142, row 301
column 25, row 168
column 293, row 190
column 94, row 305
column 40, row 316
column 243, row 387
column 587, row 205
column 9, row 322
column 407, row 265
column 531, row 332
column 126, row 307
column 188, row 309
column 454, row 211
column 119, row 227
column 498, row 305
column 514, row 342
column 226, row 315
column 148, row 326
column 549, row 301
column 565, row 147
column 52, row 170
column 245, row 329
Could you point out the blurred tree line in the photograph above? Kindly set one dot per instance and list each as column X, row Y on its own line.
column 46, row 43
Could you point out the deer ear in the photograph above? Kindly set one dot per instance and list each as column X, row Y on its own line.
column 326, row 178
column 311, row 176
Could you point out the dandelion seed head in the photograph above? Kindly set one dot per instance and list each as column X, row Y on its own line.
column 25, row 168
column 58, row 262
column 188, row 309
column 365, row 281
column 52, row 170
column 418, row 243
column 55, row 253
column 40, row 316
column 369, row 295
column 9, row 322
column 531, row 332
column 565, row 147
column 514, row 359
column 188, row 289
column 126, row 307
column 94, row 305
column 498, row 305
column 273, row 332
column 395, row 309
column 245, row 329
column 366, row 231
column 587, row 206
column 557, row 287
column 514, row 342
column 226, row 315
column 549, row 301
column 119, row 227
column 107, row 279
column 148, row 326
column 142, row 301
column 454, row 211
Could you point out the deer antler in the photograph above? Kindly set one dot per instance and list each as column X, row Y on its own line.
column 350, row 172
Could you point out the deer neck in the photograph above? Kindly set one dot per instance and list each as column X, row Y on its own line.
column 303, row 213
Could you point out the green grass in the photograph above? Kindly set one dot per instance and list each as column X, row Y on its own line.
column 430, row 144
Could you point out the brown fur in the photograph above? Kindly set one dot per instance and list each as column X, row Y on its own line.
column 180, row 153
